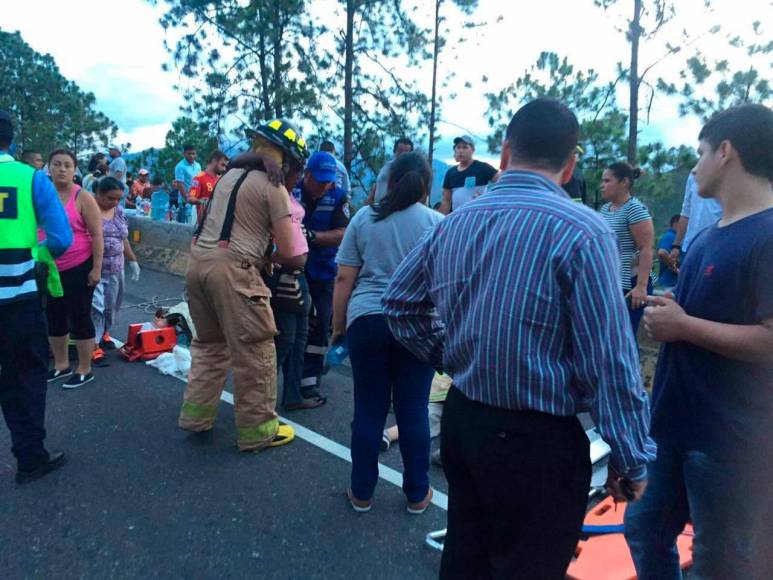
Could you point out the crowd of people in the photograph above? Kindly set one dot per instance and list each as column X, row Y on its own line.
column 529, row 301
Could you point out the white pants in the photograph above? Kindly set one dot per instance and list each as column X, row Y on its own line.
column 108, row 296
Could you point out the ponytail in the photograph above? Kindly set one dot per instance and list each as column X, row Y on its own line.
column 622, row 170
column 410, row 180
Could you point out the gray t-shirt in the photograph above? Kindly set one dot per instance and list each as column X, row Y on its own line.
column 116, row 165
column 377, row 248
column 382, row 181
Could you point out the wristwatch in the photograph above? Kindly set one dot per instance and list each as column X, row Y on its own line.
column 676, row 247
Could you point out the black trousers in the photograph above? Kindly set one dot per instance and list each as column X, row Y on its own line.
column 517, row 491
column 23, row 369
column 321, row 292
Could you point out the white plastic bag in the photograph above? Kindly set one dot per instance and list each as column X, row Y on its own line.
column 177, row 362
column 182, row 357
column 164, row 363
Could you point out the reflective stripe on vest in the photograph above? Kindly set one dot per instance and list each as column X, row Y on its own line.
column 18, row 231
column 321, row 264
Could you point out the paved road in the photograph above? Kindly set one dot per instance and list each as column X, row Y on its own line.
column 141, row 498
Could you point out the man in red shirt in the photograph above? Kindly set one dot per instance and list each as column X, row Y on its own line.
column 204, row 183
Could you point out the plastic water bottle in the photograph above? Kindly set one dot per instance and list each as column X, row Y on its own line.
column 159, row 202
column 338, row 352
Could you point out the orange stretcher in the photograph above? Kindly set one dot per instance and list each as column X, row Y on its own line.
column 148, row 344
column 606, row 556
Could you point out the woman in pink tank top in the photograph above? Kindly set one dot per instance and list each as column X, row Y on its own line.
column 80, row 268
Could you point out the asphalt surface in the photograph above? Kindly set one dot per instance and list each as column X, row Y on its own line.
column 140, row 498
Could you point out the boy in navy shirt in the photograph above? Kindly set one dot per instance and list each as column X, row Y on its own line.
column 712, row 405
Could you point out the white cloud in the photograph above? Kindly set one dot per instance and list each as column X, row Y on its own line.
column 114, row 48
column 145, row 137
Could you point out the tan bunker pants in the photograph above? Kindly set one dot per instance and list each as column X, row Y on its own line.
column 230, row 307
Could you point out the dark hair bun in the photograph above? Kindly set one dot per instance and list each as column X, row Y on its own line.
column 636, row 173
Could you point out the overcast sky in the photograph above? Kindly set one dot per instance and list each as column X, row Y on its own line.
column 114, row 48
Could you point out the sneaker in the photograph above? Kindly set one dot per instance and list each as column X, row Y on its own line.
column 77, row 380
column 416, row 509
column 55, row 375
column 107, row 342
column 361, row 506
column 55, row 461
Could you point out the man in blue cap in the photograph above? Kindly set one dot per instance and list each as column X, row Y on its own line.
column 327, row 215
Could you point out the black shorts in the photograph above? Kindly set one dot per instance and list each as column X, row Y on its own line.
column 71, row 314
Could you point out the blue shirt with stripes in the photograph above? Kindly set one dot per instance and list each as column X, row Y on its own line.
column 517, row 296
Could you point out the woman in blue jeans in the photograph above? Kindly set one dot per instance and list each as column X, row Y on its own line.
column 376, row 241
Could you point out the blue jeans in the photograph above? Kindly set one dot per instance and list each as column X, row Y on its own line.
column 290, row 343
column 728, row 503
column 637, row 314
column 384, row 371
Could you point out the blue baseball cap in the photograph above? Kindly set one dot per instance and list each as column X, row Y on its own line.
column 322, row 166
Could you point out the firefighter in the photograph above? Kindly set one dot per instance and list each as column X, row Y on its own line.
column 245, row 227
column 27, row 201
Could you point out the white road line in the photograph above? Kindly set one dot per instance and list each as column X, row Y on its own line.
column 341, row 451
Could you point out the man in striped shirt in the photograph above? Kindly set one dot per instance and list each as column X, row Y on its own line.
column 517, row 296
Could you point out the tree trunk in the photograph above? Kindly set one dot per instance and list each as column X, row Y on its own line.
column 264, row 78
column 278, row 89
column 633, row 114
column 348, row 89
column 434, row 84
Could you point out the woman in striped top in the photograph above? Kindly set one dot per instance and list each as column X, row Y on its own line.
column 631, row 222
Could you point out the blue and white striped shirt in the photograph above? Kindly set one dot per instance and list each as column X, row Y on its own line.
column 517, row 296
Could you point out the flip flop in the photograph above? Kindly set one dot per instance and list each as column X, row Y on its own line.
column 307, row 403
column 385, row 442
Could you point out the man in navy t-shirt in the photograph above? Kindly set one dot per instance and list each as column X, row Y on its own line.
column 712, row 415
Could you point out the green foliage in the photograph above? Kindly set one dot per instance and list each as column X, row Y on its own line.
column 384, row 103
column 662, row 185
column 248, row 62
column 603, row 129
column 709, row 86
column 252, row 61
column 50, row 111
column 551, row 76
column 602, row 124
